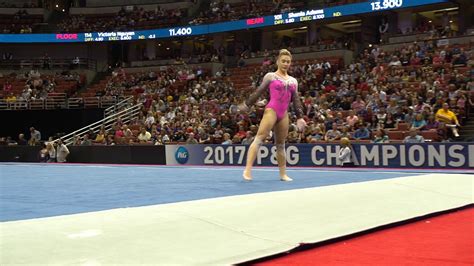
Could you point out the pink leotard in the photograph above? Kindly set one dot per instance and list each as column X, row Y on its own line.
column 282, row 92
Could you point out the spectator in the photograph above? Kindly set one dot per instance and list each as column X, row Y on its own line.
column 249, row 137
column 21, row 140
column 362, row 132
column 51, row 152
column 447, row 117
column 380, row 136
column 35, row 134
column 351, row 119
column 419, row 123
column 61, row 152
column 144, row 135
column 46, row 61
column 86, row 141
column 75, row 62
column 332, row 134
column 191, row 139
column 315, row 136
column 413, row 137
column 43, row 154
column 227, row 140
column 100, row 137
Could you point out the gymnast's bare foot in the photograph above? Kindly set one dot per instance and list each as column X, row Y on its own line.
column 247, row 176
column 286, row 178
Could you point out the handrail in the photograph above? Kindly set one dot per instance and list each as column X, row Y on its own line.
column 126, row 115
column 112, row 109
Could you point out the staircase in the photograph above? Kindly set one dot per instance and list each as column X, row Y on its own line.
column 125, row 115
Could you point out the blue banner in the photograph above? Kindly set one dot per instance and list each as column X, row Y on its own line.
column 279, row 19
column 426, row 155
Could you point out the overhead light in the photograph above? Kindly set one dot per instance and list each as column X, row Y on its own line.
column 159, row 44
column 450, row 21
column 430, row 21
column 370, row 45
column 57, row 6
column 64, row 10
column 167, row 48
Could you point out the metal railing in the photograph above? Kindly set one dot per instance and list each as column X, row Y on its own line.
column 112, row 109
column 59, row 101
column 38, row 63
column 125, row 116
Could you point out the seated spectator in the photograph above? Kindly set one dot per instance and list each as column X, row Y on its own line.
column 413, row 137
column 43, row 154
column 333, row 133
column 86, row 141
column 51, row 152
column 389, row 122
column 431, row 123
column 315, row 136
column 226, row 139
column 351, row 119
column 419, row 123
column 100, row 137
column 345, row 133
column 380, row 136
column 191, row 139
column 144, row 135
column 21, row 140
column 362, row 132
column 447, row 117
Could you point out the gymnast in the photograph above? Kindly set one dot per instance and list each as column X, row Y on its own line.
column 283, row 89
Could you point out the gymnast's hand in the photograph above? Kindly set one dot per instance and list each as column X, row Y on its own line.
column 301, row 124
column 243, row 107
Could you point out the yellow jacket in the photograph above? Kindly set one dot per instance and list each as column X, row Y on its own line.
column 446, row 116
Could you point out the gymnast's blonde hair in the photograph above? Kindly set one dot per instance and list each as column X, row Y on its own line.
column 284, row 52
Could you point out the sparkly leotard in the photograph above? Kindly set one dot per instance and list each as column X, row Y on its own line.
column 282, row 92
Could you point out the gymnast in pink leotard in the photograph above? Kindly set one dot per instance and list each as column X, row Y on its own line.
column 283, row 89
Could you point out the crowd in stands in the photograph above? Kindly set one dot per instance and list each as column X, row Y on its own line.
column 420, row 87
column 222, row 11
column 20, row 22
column 14, row 5
column 416, row 89
column 125, row 19
column 33, row 85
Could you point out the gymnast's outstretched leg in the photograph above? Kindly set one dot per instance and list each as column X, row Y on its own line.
column 268, row 121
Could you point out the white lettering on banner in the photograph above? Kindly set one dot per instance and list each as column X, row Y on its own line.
column 208, row 158
column 314, row 155
column 219, row 156
column 262, row 153
column 373, row 155
column 438, row 154
column 332, row 155
column 388, row 152
column 411, row 155
column 471, row 155
column 273, row 159
column 292, row 155
column 241, row 151
column 291, row 159
column 403, row 160
column 452, row 152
